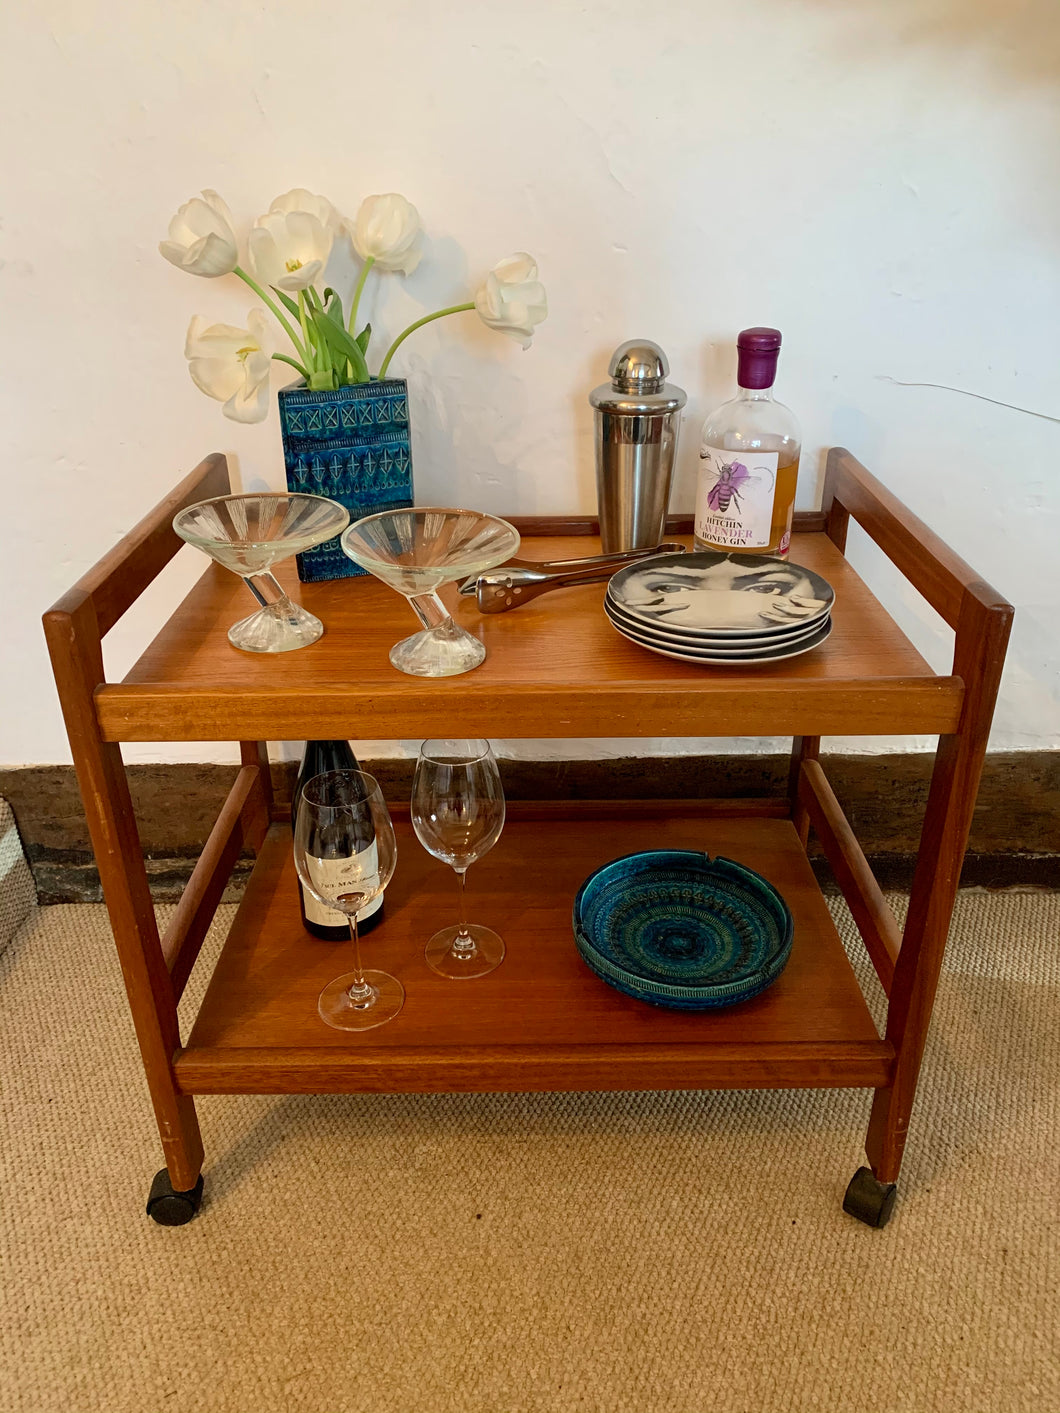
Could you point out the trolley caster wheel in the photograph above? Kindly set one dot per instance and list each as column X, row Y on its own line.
column 169, row 1208
column 870, row 1200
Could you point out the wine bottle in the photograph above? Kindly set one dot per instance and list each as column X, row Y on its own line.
column 749, row 459
column 317, row 758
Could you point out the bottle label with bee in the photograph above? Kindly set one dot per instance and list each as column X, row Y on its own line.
column 734, row 504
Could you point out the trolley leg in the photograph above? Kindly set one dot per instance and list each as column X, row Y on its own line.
column 979, row 650
column 170, row 1206
column 257, row 753
column 870, row 1196
column 75, row 628
column 870, row 1200
column 802, row 748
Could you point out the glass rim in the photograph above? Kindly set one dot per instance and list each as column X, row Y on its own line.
column 430, row 510
column 462, row 758
column 257, row 495
column 347, row 535
column 181, row 528
column 372, row 788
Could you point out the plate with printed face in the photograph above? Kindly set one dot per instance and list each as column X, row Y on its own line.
column 735, row 657
column 716, row 594
column 668, row 635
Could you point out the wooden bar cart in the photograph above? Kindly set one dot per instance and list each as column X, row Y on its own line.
column 555, row 668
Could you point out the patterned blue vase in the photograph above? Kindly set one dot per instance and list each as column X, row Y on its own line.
column 352, row 445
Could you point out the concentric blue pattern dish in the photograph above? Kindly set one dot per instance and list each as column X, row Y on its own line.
column 680, row 929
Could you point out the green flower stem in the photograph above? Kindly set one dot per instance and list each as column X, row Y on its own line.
column 307, row 310
column 282, row 358
column 369, row 262
column 275, row 309
column 427, row 318
column 310, row 348
column 328, row 377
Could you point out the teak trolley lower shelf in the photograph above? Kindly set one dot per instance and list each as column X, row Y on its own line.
column 542, row 1021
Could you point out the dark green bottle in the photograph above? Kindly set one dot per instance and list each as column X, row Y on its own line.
column 318, row 758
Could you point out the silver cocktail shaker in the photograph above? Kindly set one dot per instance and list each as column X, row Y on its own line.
column 637, row 421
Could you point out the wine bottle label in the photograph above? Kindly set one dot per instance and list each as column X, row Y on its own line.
column 734, row 505
column 333, row 877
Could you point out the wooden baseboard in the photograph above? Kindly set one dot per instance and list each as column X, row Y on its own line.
column 1015, row 836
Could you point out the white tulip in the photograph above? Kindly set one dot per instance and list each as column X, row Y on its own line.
column 288, row 249
column 232, row 365
column 513, row 300
column 201, row 239
column 298, row 199
column 387, row 230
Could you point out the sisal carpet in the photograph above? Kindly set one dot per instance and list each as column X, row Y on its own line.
column 638, row 1253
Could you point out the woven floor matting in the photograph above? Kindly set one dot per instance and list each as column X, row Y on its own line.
column 637, row 1253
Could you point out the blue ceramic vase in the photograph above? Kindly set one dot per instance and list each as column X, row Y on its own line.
column 352, row 445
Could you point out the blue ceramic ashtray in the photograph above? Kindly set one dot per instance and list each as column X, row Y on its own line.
column 680, row 929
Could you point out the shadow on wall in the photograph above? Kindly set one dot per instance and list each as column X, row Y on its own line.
column 1019, row 39
column 995, row 53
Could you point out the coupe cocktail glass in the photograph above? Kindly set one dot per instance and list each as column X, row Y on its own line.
column 416, row 551
column 248, row 535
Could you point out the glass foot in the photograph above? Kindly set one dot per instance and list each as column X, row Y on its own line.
column 463, row 963
column 339, row 1009
column 444, row 651
column 279, row 628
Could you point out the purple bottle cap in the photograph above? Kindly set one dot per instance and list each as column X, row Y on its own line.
column 757, row 350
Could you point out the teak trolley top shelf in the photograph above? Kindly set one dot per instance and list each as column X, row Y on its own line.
column 555, row 668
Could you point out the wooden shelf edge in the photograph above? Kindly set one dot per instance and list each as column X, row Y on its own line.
column 793, row 706
column 523, row 1069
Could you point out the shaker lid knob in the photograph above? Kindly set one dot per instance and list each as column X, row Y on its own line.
column 638, row 366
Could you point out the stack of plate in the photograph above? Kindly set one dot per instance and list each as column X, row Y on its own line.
column 721, row 609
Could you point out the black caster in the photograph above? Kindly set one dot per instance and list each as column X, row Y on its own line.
column 169, row 1208
column 870, row 1200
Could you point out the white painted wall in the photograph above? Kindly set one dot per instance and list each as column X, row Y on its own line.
column 875, row 177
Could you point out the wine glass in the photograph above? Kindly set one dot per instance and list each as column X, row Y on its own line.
column 345, row 852
column 458, row 815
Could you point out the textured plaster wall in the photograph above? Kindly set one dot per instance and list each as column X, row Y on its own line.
column 873, row 176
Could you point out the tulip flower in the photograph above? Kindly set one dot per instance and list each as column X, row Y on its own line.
column 512, row 300
column 289, row 249
column 387, row 232
column 298, row 199
column 201, row 239
column 232, row 365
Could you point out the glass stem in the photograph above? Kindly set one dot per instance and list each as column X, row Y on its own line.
column 360, row 993
column 463, row 943
column 265, row 587
column 430, row 610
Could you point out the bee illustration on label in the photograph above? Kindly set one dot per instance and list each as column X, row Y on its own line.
column 732, row 477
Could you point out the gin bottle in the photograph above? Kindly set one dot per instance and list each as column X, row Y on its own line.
column 749, row 459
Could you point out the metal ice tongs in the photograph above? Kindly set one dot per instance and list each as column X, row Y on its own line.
column 520, row 580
